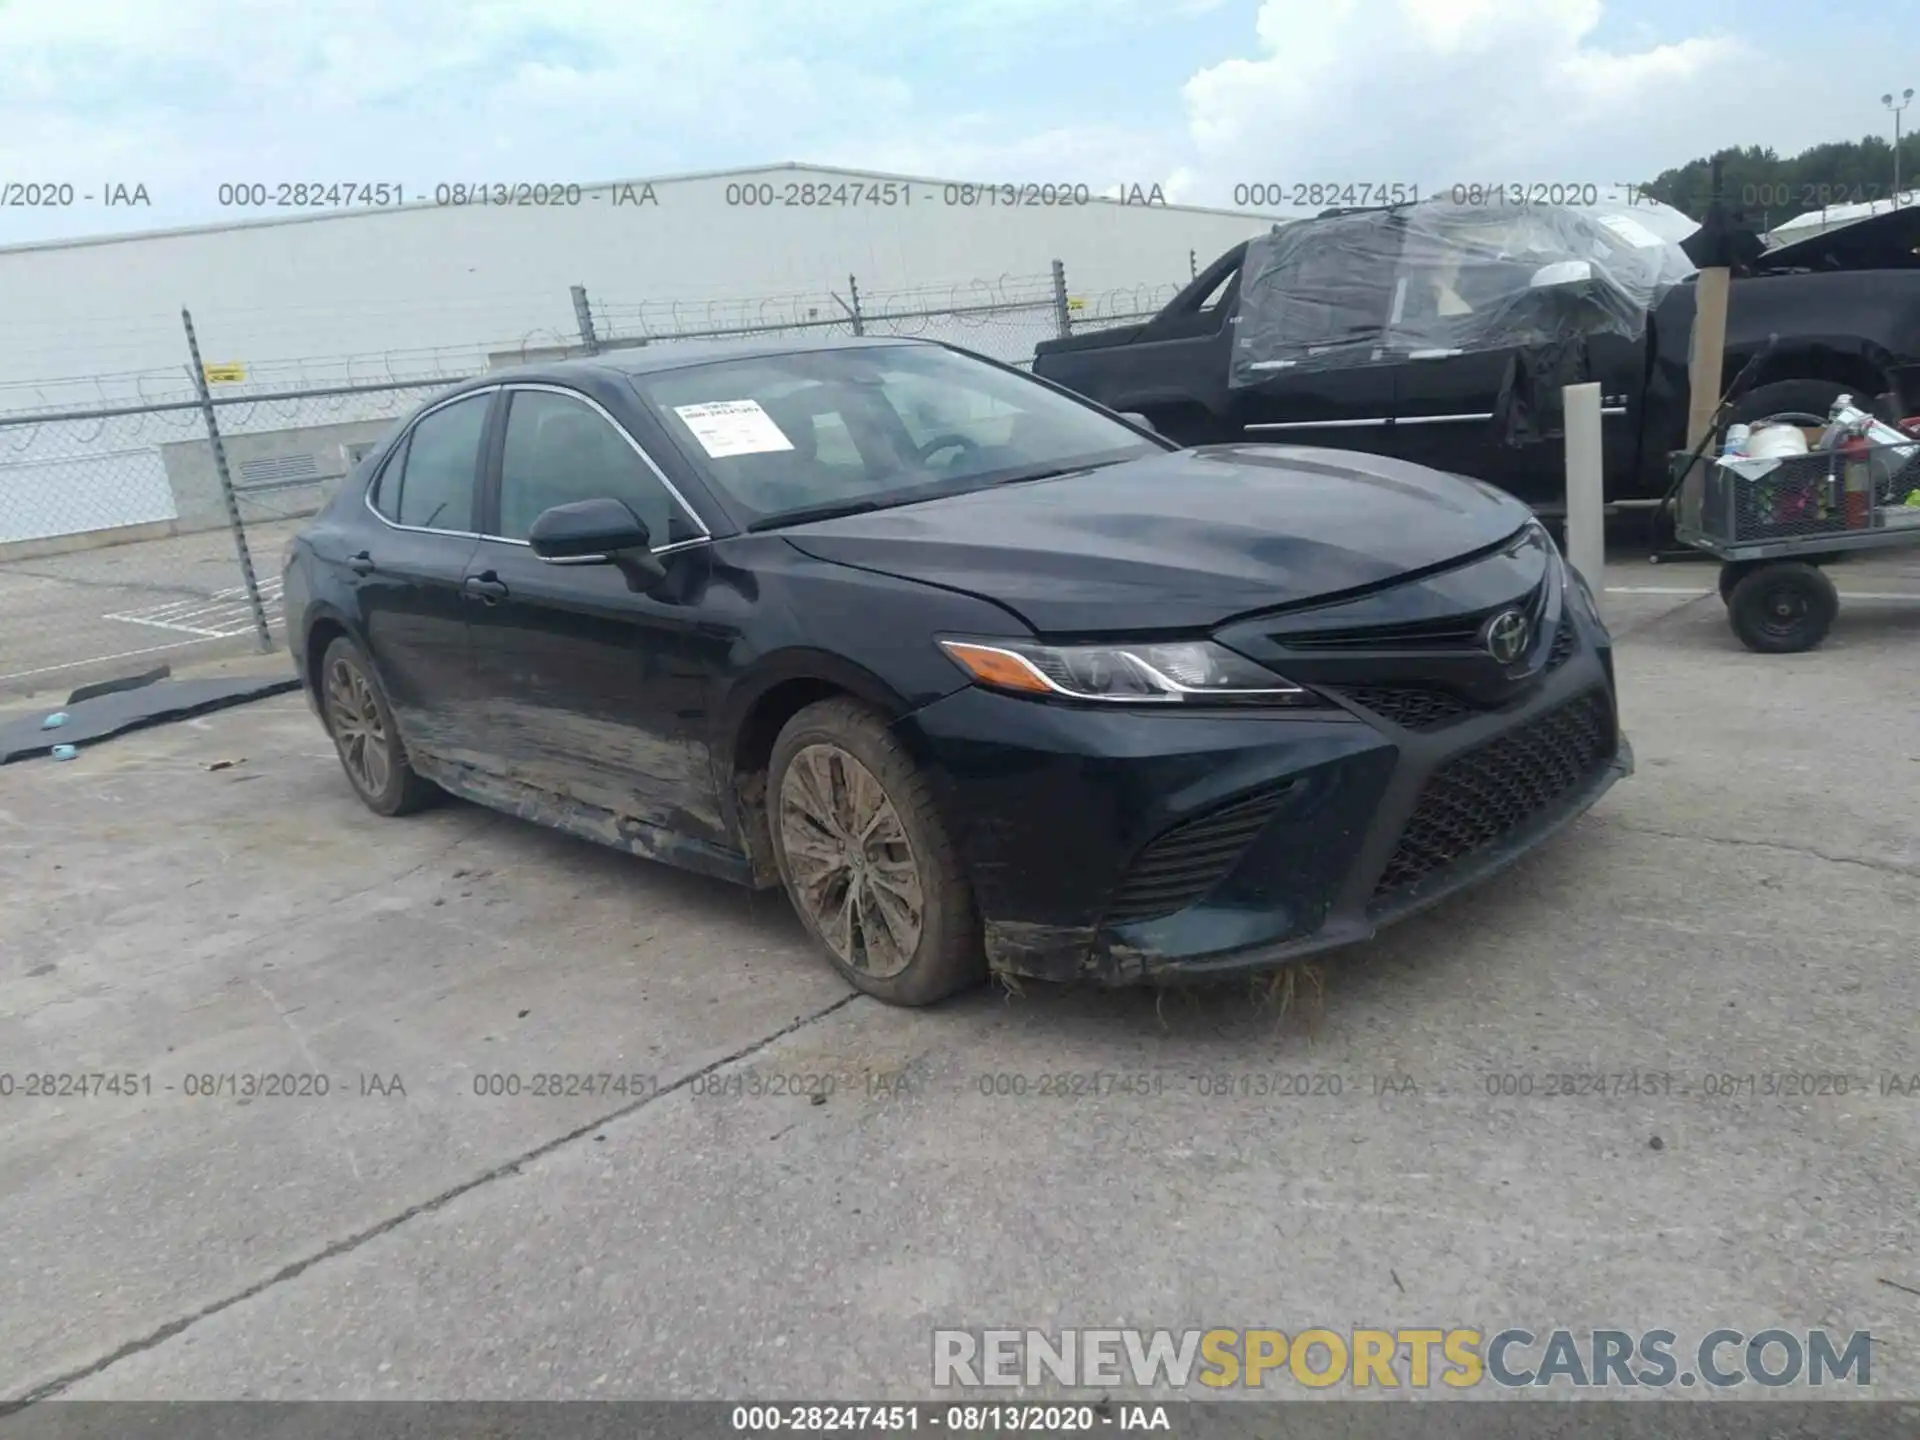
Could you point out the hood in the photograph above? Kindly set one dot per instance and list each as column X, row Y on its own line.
column 1178, row 541
column 1881, row 242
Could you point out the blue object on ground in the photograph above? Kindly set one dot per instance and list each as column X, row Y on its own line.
column 65, row 752
column 54, row 721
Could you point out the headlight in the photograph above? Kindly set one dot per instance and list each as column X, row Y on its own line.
column 1195, row 672
column 1533, row 535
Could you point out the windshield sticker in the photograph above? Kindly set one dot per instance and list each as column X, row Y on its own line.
column 733, row 427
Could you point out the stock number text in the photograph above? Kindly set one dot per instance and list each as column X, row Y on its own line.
column 1810, row 197
column 311, row 195
column 1325, row 192
column 809, row 195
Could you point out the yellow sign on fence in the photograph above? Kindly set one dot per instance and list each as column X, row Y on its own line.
column 226, row 374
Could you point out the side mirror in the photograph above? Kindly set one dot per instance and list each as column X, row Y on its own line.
column 1134, row 417
column 588, row 530
column 597, row 532
column 1562, row 272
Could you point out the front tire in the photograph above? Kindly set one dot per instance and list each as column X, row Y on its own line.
column 360, row 720
column 1782, row 609
column 866, row 860
column 1782, row 397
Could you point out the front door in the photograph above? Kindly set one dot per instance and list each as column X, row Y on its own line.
column 1471, row 291
column 407, row 576
column 1310, row 363
column 589, row 692
column 1445, row 415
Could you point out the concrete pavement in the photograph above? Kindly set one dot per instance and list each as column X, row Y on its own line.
column 1744, row 907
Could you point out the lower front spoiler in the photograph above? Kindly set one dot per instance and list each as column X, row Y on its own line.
column 1086, row 954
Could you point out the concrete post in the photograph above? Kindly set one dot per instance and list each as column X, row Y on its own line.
column 1586, row 497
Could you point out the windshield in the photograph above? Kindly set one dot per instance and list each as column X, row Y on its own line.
column 783, row 435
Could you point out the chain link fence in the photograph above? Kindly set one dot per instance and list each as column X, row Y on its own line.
column 148, row 526
column 129, row 539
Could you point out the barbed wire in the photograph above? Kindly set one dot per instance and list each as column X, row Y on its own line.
column 1013, row 311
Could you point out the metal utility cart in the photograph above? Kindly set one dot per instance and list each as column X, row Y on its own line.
column 1771, row 521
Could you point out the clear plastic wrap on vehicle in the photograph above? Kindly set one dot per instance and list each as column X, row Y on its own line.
column 1437, row 279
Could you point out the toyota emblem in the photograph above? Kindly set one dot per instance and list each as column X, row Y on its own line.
column 1506, row 636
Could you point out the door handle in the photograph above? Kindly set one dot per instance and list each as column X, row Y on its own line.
column 486, row 587
column 361, row 564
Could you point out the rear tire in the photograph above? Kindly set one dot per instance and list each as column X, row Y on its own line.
column 1782, row 609
column 866, row 860
column 354, row 707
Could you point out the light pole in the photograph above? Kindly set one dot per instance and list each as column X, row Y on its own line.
column 1906, row 96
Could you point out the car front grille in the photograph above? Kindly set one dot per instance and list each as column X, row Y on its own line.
column 1409, row 708
column 1453, row 633
column 1189, row 859
column 1480, row 796
column 1447, row 634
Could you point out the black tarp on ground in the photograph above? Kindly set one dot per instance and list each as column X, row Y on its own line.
column 123, row 682
column 115, row 714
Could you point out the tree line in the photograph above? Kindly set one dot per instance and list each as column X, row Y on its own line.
column 1773, row 188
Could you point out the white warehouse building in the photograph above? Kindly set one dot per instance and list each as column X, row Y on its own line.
column 452, row 282
column 460, row 281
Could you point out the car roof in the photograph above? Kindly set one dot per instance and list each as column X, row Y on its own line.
column 665, row 355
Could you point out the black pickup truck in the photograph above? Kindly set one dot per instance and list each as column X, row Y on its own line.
column 1411, row 330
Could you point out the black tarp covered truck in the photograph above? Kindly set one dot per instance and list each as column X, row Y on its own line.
column 1441, row 334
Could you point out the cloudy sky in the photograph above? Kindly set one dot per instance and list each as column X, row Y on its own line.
column 180, row 96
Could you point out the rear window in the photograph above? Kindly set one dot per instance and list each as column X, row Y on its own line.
column 443, row 463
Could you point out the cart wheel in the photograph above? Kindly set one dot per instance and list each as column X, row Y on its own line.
column 1782, row 608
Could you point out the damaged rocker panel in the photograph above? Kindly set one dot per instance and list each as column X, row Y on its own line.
column 584, row 820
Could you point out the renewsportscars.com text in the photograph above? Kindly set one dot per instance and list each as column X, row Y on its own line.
column 1413, row 1358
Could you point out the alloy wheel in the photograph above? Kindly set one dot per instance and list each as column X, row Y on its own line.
column 850, row 863
column 353, row 714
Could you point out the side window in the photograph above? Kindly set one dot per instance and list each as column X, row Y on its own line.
column 560, row 450
column 1200, row 315
column 386, row 485
column 1211, row 305
column 436, row 475
column 1330, row 298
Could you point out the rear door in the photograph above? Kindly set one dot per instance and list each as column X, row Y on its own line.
column 407, row 577
column 1319, row 373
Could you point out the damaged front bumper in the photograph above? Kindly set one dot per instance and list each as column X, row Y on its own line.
column 1101, row 956
column 1294, row 834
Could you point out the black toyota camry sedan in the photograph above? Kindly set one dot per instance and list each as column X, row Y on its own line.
column 986, row 676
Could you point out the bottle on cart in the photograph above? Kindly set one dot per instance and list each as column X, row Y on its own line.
column 1736, row 440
